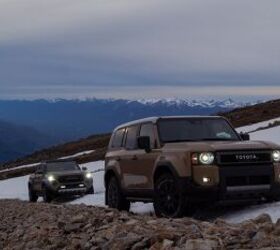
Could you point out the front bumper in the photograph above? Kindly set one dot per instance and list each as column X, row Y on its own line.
column 236, row 183
column 68, row 189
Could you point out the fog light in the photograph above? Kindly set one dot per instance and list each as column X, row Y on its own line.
column 206, row 179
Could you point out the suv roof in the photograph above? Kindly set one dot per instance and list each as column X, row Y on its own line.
column 154, row 119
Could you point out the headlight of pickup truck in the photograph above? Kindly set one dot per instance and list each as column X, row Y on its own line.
column 276, row 156
column 51, row 178
column 205, row 158
column 88, row 175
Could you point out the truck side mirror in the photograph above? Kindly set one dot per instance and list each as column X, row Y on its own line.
column 39, row 171
column 144, row 143
column 245, row 136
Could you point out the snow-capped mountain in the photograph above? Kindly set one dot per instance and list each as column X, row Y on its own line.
column 227, row 103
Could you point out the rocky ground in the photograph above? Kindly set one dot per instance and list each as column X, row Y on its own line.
column 48, row 226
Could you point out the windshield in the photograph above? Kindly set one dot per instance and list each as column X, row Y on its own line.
column 195, row 129
column 61, row 166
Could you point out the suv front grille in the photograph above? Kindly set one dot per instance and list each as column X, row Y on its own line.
column 70, row 178
column 243, row 158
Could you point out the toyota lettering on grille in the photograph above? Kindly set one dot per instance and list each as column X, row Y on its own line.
column 246, row 157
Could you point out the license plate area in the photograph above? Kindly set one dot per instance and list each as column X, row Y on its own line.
column 245, row 181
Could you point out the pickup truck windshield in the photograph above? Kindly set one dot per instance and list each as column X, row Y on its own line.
column 61, row 166
column 196, row 129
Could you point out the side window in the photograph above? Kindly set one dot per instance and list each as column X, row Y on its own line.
column 148, row 130
column 118, row 138
column 131, row 137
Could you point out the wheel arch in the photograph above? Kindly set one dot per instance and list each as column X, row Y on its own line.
column 164, row 167
column 110, row 173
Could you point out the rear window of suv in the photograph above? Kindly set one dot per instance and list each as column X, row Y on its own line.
column 118, row 138
column 131, row 137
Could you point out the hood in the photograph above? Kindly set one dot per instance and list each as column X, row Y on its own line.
column 222, row 145
column 66, row 173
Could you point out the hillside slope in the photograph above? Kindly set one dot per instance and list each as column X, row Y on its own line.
column 254, row 114
column 17, row 141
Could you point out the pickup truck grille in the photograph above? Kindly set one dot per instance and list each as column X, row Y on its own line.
column 243, row 158
column 70, row 178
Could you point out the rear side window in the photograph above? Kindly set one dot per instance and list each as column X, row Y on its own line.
column 118, row 138
column 131, row 137
column 148, row 130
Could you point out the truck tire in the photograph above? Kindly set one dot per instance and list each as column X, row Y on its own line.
column 33, row 197
column 90, row 191
column 114, row 196
column 169, row 201
column 47, row 197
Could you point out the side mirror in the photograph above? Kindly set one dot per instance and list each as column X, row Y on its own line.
column 84, row 168
column 144, row 143
column 245, row 136
column 39, row 171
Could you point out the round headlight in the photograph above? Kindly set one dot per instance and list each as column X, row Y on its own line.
column 206, row 158
column 51, row 178
column 88, row 175
column 276, row 155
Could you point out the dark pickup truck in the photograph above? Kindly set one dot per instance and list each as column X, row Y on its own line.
column 59, row 178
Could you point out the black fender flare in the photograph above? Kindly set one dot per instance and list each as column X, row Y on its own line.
column 109, row 172
column 165, row 166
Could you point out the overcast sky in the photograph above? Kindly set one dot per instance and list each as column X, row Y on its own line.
column 137, row 49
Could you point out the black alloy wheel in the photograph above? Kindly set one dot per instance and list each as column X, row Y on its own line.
column 169, row 201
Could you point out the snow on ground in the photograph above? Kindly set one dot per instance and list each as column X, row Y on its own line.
column 270, row 134
column 19, row 167
column 256, row 126
column 76, row 155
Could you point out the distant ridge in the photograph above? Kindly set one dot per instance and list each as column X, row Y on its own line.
column 253, row 114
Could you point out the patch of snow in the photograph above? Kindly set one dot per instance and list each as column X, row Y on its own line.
column 228, row 103
column 76, row 155
column 19, row 167
column 256, row 126
column 270, row 134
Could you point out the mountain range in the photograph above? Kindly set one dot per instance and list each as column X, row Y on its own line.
column 31, row 125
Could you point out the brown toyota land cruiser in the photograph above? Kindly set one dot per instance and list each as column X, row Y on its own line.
column 177, row 162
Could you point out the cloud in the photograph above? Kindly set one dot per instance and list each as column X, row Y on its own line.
column 136, row 43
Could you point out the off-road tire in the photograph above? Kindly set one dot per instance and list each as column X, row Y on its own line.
column 47, row 197
column 90, row 191
column 114, row 196
column 33, row 197
column 169, row 200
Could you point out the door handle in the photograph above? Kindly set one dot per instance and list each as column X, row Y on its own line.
column 118, row 159
column 134, row 158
